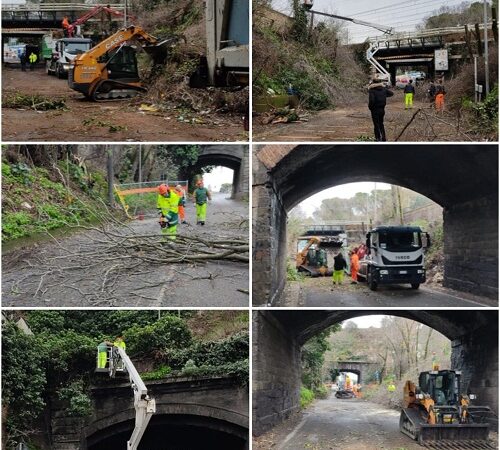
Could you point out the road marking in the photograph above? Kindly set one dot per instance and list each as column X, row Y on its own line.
column 292, row 434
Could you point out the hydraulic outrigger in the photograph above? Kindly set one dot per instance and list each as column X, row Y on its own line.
column 145, row 406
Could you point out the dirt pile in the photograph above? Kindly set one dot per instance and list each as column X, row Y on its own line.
column 169, row 89
column 319, row 70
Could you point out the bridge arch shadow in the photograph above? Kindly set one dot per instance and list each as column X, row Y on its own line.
column 191, row 426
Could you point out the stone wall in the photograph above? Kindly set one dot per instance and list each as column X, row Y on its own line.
column 476, row 355
column 471, row 247
column 269, row 238
column 276, row 373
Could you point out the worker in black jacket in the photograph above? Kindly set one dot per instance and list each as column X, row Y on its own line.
column 409, row 92
column 377, row 95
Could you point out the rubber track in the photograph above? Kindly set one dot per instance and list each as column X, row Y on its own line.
column 458, row 445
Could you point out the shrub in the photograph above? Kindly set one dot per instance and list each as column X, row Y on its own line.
column 306, row 397
column 168, row 332
column 79, row 403
column 157, row 374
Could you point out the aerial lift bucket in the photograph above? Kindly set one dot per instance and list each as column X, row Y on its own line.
column 454, row 436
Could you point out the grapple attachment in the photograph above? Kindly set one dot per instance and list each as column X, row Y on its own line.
column 459, row 433
column 160, row 51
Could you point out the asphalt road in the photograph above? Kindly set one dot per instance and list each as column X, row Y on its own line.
column 320, row 292
column 352, row 424
column 176, row 285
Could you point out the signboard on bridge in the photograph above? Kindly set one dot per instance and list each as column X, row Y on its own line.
column 441, row 59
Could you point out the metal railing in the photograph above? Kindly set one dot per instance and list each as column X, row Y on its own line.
column 434, row 32
column 30, row 7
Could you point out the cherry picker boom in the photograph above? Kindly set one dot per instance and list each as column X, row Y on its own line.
column 145, row 406
column 374, row 46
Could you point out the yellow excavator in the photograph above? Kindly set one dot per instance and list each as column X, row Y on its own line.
column 438, row 415
column 109, row 70
column 312, row 259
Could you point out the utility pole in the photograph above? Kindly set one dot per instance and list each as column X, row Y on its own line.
column 125, row 14
column 140, row 165
column 111, row 176
column 486, row 73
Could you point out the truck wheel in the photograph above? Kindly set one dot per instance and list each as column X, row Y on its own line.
column 59, row 71
column 415, row 285
column 372, row 284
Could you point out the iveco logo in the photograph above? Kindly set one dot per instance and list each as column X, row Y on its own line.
column 403, row 257
column 115, row 41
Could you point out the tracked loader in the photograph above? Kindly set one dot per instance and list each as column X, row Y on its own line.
column 438, row 415
column 109, row 70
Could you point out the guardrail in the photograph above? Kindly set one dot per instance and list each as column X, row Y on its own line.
column 435, row 32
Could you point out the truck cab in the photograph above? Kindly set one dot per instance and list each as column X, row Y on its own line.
column 395, row 255
column 65, row 51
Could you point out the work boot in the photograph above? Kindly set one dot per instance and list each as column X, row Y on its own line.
column 202, row 223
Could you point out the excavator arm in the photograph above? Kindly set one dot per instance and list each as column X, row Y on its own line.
column 119, row 38
column 302, row 255
column 92, row 74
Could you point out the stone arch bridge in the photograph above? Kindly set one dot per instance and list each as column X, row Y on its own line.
column 360, row 368
column 201, row 413
column 462, row 179
column 279, row 335
column 235, row 157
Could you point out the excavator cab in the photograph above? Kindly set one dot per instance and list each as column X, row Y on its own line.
column 437, row 414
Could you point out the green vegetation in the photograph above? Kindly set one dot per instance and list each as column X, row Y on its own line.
column 309, row 63
column 292, row 274
column 59, row 357
column 33, row 101
column 306, row 397
column 313, row 359
column 486, row 112
column 35, row 200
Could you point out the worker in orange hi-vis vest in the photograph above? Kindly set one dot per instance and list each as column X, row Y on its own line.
column 354, row 266
column 182, row 195
column 65, row 25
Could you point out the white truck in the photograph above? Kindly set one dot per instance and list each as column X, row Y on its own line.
column 395, row 255
column 145, row 406
column 65, row 51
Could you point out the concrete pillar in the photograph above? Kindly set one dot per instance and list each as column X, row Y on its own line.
column 241, row 178
column 470, row 247
column 276, row 373
column 269, row 238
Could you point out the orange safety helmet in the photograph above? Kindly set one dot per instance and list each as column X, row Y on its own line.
column 163, row 189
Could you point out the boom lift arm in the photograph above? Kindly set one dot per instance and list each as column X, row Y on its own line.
column 145, row 406
column 93, row 12
column 374, row 46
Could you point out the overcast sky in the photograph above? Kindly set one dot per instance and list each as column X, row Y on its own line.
column 217, row 177
column 367, row 321
column 400, row 15
column 342, row 191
